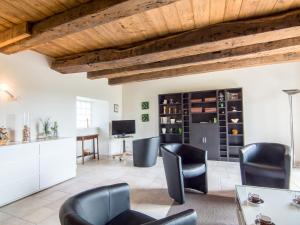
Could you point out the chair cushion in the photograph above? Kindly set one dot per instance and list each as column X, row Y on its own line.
column 193, row 169
column 131, row 217
column 264, row 170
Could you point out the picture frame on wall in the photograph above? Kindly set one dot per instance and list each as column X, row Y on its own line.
column 116, row 108
column 145, row 105
column 145, row 118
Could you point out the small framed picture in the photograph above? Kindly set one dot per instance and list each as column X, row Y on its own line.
column 145, row 117
column 145, row 105
column 116, row 108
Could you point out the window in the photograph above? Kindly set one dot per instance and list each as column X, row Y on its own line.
column 84, row 114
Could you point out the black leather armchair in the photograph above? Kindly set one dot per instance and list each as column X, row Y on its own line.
column 145, row 151
column 110, row 205
column 266, row 165
column 185, row 167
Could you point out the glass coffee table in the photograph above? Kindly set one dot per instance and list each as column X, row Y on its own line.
column 277, row 204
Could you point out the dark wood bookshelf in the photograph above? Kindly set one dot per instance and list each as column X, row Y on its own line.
column 207, row 113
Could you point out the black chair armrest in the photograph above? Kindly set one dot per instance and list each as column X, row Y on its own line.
column 173, row 170
column 287, row 150
column 287, row 160
column 246, row 153
column 119, row 199
column 188, row 217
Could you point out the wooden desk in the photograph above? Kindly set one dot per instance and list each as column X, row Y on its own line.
column 89, row 137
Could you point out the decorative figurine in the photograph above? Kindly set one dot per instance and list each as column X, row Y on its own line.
column 165, row 110
column 4, row 138
column 235, row 131
column 26, row 134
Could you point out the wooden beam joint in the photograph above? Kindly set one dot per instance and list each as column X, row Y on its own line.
column 16, row 33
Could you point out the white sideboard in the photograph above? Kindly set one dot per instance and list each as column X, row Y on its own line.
column 31, row 167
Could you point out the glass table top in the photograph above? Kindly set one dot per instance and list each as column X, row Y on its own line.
column 277, row 205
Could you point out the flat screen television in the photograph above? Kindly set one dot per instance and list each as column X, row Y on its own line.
column 123, row 127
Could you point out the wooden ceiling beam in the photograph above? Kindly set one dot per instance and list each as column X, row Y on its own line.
column 245, row 52
column 14, row 34
column 82, row 17
column 212, row 67
column 213, row 38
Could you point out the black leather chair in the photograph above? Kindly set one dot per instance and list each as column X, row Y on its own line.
column 110, row 205
column 145, row 151
column 266, row 165
column 185, row 167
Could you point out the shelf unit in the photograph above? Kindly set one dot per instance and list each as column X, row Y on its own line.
column 222, row 119
column 170, row 124
column 186, row 118
column 215, row 108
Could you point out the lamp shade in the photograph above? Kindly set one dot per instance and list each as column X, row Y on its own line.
column 292, row 91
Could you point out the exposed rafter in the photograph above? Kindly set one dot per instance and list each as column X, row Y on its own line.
column 189, row 70
column 14, row 34
column 245, row 52
column 210, row 39
column 82, row 17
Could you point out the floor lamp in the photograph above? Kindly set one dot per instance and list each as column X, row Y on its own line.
column 290, row 94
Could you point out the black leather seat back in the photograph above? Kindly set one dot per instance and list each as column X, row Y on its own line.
column 174, row 147
column 110, row 205
column 96, row 206
column 266, row 165
column 269, row 153
column 145, row 151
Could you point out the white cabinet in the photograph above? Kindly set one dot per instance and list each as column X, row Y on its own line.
column 19, row 171
column 29, row 168
column 57, row 161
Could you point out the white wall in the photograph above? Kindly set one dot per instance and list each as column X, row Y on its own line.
column 45, row 93
column 266, row 112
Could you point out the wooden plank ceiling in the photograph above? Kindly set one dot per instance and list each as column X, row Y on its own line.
column 141, row 26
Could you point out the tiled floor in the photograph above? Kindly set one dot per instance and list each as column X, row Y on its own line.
column 148, row 186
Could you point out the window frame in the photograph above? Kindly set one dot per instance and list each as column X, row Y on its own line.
column 81, row 122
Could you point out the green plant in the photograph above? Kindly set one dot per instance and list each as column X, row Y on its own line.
column 54, row 129
column 46, row 126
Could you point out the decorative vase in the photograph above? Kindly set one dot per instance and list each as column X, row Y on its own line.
column 26, row 134
column 4, row 138
column 235, row 131
column 163, row 130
